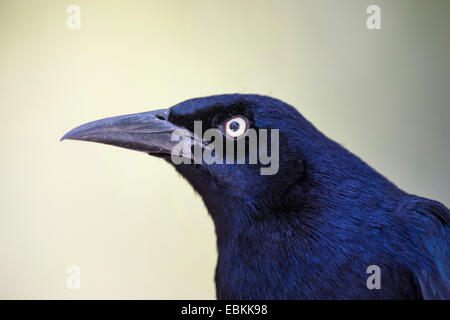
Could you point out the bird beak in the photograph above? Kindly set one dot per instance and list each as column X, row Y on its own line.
column 149, row 132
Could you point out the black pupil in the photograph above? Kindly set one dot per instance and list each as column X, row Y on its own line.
column 234, row 126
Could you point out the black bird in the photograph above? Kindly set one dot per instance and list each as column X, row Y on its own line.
column 311, row 230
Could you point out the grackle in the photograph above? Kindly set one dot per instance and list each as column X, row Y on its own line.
column 312, row 229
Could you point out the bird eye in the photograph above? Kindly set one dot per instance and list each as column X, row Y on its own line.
column 235, row 127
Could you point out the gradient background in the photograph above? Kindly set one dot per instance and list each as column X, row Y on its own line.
column 135, row 227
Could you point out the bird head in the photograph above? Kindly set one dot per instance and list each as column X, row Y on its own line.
column 234, row 187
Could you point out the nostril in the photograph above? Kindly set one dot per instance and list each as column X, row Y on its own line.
column 160, row 117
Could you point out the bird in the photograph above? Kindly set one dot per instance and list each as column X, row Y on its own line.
column 311, row 230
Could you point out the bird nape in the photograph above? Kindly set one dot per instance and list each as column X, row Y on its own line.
column 312, row 229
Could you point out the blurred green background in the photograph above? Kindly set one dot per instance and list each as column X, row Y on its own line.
column 131, row 223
